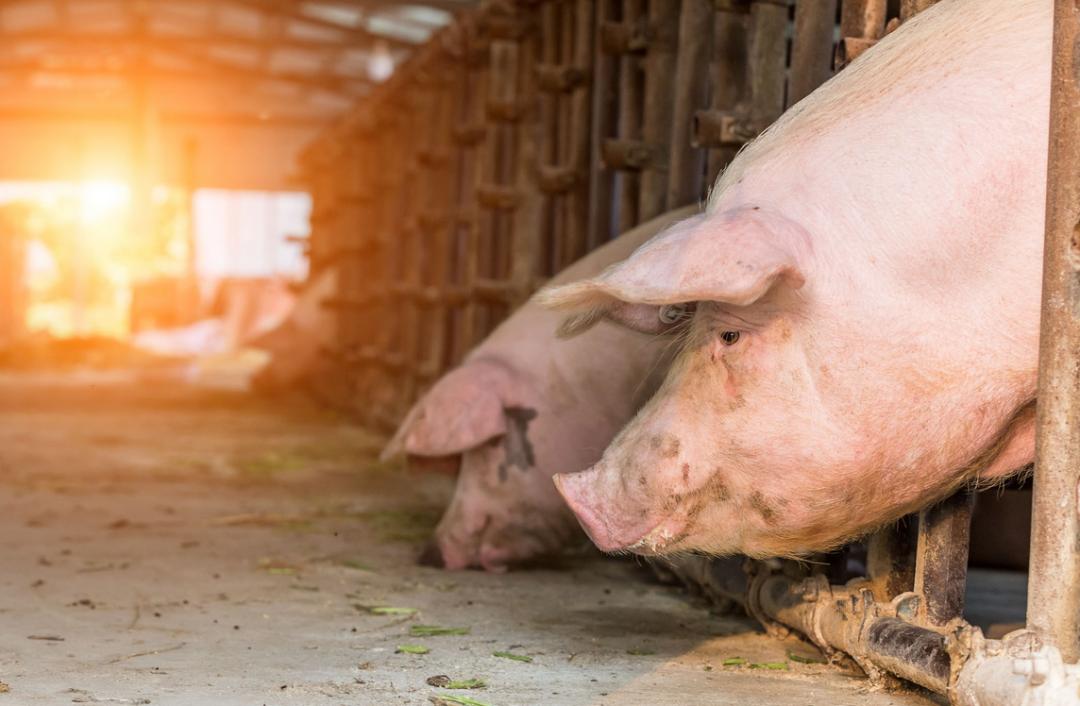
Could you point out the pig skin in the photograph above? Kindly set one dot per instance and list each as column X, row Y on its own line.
column 522, row 406
column 875, row 258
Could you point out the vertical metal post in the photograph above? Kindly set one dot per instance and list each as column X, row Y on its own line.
column 602, row 124
column 728, row 80
column 908, row 8
column 941, row 557
column 890, row 559
column 686, row 165
column 862, row 23
column 811, row 48
column 1053, row 609
column 629, row 117
column 659, row 109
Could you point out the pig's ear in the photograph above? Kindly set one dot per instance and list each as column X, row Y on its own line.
column 462, row 411
column 733, row 257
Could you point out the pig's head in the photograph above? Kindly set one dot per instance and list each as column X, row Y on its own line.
column 738, row 430
column 482, row 418
column 812, row 398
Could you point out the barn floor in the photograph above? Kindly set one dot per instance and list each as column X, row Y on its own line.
column 167, row 545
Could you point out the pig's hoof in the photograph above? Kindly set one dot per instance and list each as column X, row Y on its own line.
column 431, row 556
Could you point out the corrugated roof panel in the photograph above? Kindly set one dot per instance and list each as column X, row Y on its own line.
column 28, row 15
column 393, row 28
column 353, row 61
column 239, row 20
column 99, row 13
column 432, row 16
column 306, row 31
column 179, row 19
column 237, row 55
column 297, row 60
column 345, row 16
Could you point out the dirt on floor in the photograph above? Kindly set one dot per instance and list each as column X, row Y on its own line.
column 169, row 545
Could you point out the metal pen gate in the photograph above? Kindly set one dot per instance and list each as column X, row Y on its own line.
column 532, row 131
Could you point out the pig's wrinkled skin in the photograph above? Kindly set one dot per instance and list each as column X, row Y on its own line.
column 294, row 345
column 524, row 405
column 878, row 254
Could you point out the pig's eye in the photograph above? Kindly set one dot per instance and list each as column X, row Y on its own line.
column 730, row 338
column 674, row 313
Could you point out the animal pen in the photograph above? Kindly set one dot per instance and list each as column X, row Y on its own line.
column 528, row 133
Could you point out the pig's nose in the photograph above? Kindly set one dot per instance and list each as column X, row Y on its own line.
column 574, row 489
column 432, row 556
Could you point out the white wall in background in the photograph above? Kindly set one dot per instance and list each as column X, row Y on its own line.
column 244, row 233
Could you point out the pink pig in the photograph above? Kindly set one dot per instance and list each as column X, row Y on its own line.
column 522, row 406
column 857, row 310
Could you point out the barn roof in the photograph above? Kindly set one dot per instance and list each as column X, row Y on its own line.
column 288, row 61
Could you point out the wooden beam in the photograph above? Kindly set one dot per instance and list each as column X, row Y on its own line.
column 204, row 39
column 360, row 35
column 69, row 115
column 210, row 73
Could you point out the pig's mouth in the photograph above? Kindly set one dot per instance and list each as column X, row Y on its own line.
column 612, row 530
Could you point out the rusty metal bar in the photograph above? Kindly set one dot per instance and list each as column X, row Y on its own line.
column 727, row 81
column 941, row 558
column 850, row 620
column 686, row 167
column 527, row 220
column 602, row 124
column 628, row 126
column 908, row 8
column 862, row 24
column 659, row 108
column 811, row 47
column 767, row 59
column 1054, row 573
column 890, row 559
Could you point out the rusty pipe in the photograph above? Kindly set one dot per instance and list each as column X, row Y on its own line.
column 1054, row 573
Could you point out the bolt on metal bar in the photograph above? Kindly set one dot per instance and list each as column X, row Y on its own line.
column 1053, row 610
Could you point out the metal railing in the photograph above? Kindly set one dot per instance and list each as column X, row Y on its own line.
column 530, row 132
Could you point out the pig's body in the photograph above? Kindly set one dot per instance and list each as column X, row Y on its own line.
column 294, row 346
column 868, row 282
column 524, row 405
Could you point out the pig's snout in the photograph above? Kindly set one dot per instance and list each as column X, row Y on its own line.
column 611, row 524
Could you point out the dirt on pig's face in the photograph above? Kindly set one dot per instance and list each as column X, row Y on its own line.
column 777, row 434
column 717, row 460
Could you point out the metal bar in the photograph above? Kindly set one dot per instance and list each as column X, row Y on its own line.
column 849, row 620
column 941, row 558
column 686, row 167
column 909, row 8
column 528, row 219
column 659, row 109
column 728, row 79
column 811, row 47
column 603, row 121
column 578, row 238
column 628, row 126
column 768, row 55
column 862, row 24
column 1054, row 573
column 890, row 559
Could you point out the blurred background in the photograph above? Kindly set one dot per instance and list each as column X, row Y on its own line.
column 148, row 152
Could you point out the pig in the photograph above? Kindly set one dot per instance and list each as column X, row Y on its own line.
column 521, row 406
column 294, row 345
column 856, row 310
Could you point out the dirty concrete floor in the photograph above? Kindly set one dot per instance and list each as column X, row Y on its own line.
column 164, row 545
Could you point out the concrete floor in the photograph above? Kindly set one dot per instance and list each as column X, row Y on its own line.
column 165, row 545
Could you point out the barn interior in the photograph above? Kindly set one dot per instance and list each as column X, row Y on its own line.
column 188, row 519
